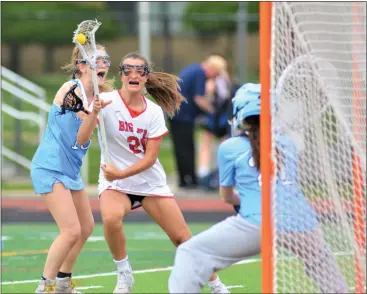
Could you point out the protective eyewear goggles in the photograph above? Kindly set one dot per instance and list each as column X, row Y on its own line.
column 126, row 69
column 100, row 61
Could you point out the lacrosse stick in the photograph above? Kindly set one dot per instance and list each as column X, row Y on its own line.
column 84, row 39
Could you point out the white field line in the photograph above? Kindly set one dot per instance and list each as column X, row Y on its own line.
column 152, row 270
column 234, row 286
column 88, row 287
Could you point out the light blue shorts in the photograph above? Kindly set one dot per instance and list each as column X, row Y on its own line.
column 44, row 179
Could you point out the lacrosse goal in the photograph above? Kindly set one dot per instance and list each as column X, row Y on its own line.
column 313, row 76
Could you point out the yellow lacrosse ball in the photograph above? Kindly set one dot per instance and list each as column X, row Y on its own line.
column 81, row 38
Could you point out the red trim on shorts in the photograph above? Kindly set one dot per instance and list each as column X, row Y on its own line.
column 133, row 112
column 156, row 138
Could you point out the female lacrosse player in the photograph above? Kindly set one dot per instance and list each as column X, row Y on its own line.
column 238, row 237
column 56, row 167
column 134, row 129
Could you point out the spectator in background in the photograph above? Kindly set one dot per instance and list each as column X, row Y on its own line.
column 221, row 89
column 193, row 78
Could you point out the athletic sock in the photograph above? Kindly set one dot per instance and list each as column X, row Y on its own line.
column 203, row 172
column 61, row 275
column 123, row 264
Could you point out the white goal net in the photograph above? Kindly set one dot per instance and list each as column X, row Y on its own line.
column 318, row 93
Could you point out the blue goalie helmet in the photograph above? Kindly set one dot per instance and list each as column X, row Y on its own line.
column 246, row 103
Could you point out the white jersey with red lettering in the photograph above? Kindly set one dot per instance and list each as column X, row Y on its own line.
column 127, row 133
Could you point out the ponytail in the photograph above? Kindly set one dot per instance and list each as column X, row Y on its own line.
column 164, row 88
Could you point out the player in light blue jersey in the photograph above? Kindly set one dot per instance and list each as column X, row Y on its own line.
column 239, row 236
column 55, row 170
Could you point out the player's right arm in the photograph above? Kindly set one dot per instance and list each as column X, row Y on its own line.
column 226, row 161
column 229, row 196
column 90, row 121
column 88, row 125
column 60, row 95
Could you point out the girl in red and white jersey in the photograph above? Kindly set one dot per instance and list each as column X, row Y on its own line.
column 134, row 128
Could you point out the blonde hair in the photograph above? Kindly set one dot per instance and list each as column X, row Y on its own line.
column 107, row 86
column 163, row 87
column 219, row 63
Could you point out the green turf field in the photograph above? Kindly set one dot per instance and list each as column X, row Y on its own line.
column 24, row 249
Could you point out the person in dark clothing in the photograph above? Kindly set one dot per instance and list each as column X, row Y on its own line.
column 193, row 78
column 215, row 125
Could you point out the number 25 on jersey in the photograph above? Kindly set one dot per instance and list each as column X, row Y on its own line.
column 137, row 145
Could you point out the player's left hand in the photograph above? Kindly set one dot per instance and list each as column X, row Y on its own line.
column 111, row 172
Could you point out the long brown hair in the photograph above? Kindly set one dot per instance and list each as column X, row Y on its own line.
column 163, row 87
column 251, row 128
column 72, row 67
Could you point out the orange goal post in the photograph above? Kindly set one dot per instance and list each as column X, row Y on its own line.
column 313, row 77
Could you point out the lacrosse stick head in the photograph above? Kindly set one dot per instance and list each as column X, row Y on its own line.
column 88, row 49
column 72, row 101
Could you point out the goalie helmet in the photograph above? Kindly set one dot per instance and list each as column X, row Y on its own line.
column 246, row 103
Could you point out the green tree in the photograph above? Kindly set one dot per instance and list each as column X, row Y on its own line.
column 50, row 24
column 204, row 27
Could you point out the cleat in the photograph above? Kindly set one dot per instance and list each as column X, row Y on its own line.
column 65, row 285
column 46, row 286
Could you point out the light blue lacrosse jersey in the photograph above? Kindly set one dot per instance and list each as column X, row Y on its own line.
column 59, row 157
column 237, row 169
